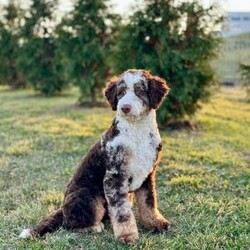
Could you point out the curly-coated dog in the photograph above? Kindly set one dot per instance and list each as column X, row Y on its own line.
column 122, row 163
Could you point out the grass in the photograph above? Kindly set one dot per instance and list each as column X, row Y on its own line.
column 203, row 181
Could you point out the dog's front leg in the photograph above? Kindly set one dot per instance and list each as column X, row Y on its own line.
column 146, row 202
column 121, row 215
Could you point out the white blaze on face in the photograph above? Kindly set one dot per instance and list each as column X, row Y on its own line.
column 132, row 78
column 130, row 98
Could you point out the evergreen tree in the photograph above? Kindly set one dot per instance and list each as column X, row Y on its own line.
column 175, row 42
column 39, row 51
column 82, row 41
column 9, row 45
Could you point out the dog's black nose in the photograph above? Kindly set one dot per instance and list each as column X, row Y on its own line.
column 126, row 108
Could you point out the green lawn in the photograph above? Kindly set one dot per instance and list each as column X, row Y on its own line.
column 203, row 180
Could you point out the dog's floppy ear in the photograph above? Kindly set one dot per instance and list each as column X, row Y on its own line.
column 111, row 93
column 157, row 89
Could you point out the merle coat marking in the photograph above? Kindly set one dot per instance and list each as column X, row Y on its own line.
column 123, row 162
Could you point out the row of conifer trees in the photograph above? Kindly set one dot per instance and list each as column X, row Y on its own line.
column 41, row 48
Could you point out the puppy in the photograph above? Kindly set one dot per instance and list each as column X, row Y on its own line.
column 122, row 163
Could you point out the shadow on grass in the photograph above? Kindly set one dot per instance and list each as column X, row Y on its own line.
column 186, row 125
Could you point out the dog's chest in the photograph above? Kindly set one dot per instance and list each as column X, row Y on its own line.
column 140, row 150
column 143, row 156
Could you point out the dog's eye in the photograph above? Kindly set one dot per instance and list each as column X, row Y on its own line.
column 139, row 91
column 121, row 93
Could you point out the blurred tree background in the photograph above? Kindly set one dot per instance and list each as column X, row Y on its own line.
column 39, row 50
column 90, row 43
column 10, row 24
column 82, row 43
column 176, row 43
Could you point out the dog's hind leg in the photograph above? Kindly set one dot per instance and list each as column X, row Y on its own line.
column 83, row 212
column 99, row 214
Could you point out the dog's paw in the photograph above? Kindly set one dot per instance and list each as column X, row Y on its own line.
column 95, row 228
column 128, row 238
column 98, row 228
column 161, row 225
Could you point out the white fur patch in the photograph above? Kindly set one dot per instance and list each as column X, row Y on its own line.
column 130, row 98
column 137, row 107
column 140, row 139
column 26, row 233
column 131, row 78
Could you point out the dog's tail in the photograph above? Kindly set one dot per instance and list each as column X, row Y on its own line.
column 48, row 225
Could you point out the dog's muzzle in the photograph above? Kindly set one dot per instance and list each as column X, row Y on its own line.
column 126, row 108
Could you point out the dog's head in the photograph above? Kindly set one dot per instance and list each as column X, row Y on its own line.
column 135, row 92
